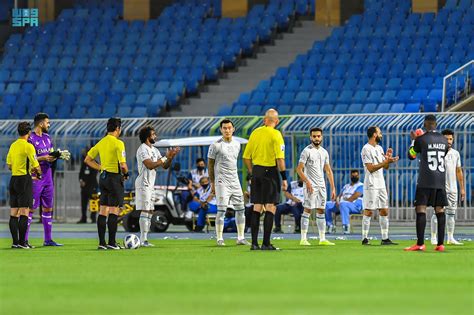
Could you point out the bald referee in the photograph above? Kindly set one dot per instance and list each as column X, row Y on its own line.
column 264, row 157
column 114, row 170
column 21, row 158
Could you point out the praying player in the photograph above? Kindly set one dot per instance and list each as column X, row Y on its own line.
column 452, row 163
column 314, row 161
column 431, row 185
column 225, row 184
column 43, row 189
column 148, row 160
column 375, row 193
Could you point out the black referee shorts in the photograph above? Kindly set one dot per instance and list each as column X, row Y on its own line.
column 266, row 186
column 21, row 192
column 111, row 189
column 430, row 197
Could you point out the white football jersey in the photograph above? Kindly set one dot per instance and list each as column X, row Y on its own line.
column 314, row 160
column 373, row 155
column 452, row 161
column 146, row 178
column 225, row 155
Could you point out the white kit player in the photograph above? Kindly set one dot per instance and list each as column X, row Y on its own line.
column 452, row 162
column 148, row 159
column 314, row 161
column 225, row 184
column 375, row 193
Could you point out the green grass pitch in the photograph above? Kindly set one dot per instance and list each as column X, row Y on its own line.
column 196, row 277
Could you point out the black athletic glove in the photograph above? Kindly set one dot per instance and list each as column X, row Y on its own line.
column 55, row 154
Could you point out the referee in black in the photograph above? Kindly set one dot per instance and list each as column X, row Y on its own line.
column 432, row 147
column 21, row 158
column 264, row 157
column 113, row 171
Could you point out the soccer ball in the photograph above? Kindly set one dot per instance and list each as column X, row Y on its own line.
column 131, row 241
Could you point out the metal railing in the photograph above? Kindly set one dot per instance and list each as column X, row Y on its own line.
column 462, row 78
column 344, row 137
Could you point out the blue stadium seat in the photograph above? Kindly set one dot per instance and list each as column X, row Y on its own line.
column 369, row 108
column 412, row 107
column 383, row 108
column 397, row 108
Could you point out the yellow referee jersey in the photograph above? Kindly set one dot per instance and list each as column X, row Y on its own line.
column 265, row 146
column 21, row 156
column 111, row 152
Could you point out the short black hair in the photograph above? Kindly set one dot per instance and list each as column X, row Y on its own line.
column 39, row 118
column 113, row 123
column 144, row 133
column 447, row 132
column 430, row 117
column 315, row 129
column 371, row 131
column 200, row 160
column 355, row 171
column 23, row 128
column 226, row 121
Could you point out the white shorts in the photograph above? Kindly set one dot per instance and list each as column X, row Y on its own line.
column 452, row 202
column 144, row 199
column 316, row 200
column 374, row 199
column 229, row 196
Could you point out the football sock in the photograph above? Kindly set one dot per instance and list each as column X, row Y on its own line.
column 441, row 227
column 22, row 226
column 267, row 227
column 101, row 227
column 255, row 226
column 383, row 220
column 13, row 224
column 240, row 222
column 220, row 224
column 365, row 226
column 434, row 226
column 47, row 220
column 30, row 218
column 112, row 226
column 321, row 223
column 304, row 225
column 144, row 223
column 420, row 228
column 450, row 225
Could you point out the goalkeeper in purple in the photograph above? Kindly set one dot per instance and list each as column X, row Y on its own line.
column 43, row 189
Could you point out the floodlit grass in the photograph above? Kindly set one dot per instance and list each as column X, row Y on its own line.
column 196, row 277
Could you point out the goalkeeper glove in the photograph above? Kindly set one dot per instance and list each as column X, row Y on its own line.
column 61, row 154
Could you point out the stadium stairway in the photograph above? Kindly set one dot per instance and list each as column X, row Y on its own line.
column 285, row 50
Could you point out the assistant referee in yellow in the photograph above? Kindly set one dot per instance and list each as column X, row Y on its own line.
column 20, row 157
column 114, row 171
column 264, row 157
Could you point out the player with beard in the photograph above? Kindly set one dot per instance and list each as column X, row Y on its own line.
column 43, row 189
column 375, row 193
column 148, row 160
column 313, row 163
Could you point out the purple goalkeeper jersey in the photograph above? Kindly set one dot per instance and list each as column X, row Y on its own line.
column 43, row 146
